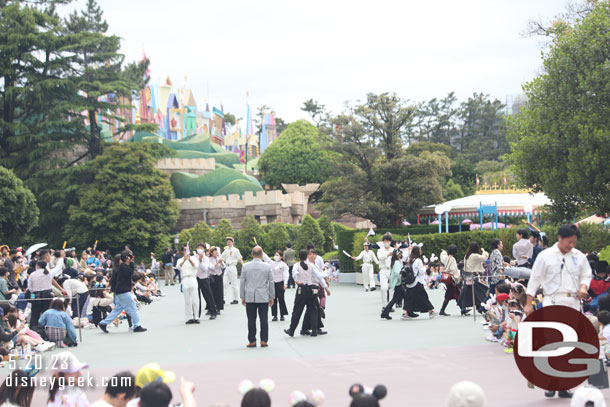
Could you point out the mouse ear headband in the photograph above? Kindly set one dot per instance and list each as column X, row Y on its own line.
column 379, row 392
column 246, row 385
column 316, row 398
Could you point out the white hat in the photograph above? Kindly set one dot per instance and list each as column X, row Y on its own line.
column 66, row 362
column 586, row 394
column 466, row 394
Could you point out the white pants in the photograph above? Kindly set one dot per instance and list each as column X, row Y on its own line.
column 368, row 278
column 384, row 282
column 191, row 300
column 561, row 300
column 230, row 277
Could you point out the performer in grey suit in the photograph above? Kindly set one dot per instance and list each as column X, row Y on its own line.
column 257, row 291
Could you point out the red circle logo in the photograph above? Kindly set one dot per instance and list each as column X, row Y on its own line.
column 557, row 348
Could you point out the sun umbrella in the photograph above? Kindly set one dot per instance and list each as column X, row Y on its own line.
column 35, row 247
column 466, row 221
column 406, row 223
column 435, row 222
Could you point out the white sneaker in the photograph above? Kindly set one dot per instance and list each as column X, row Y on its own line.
column 433, row 314
column 492, row 338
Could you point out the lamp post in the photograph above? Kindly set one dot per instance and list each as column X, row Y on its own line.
column 528, row 210
column 446, row 209
column 439, row 210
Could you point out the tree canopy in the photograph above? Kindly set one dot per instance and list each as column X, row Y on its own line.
column 123, row 199
column 296, row 157
column 560, row 139
column 18, row 210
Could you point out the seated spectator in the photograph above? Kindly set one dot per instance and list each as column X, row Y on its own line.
column 64, row 392
column 6, row 293
column 100, row 301
column 120, row 390
column 8, row 336
column 27, row 336
column 139, row 289
column 466, row 394
column 58, row 325
column 17, row 390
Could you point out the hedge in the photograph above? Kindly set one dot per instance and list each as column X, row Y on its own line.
column 593, row 238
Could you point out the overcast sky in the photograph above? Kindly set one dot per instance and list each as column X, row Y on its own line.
column 285, row 52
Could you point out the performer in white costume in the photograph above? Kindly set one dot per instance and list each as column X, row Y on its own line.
column 384, row 254
column 368, row 257
column 231, row 256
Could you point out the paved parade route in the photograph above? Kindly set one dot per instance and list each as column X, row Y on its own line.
column 417, row 360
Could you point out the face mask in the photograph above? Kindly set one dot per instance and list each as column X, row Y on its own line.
column 276, row 258
column 386, row 245
column 199, row 251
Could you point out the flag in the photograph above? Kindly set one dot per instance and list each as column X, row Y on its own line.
column 478, row 182
column 187, row 251
column 371, row 232
column 248, row 121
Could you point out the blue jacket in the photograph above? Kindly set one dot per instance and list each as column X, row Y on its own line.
column 58, row 319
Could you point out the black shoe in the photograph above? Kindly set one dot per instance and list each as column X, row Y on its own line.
column 549, row 394
column 274, row 318
column 289, row 332
column 103, row 327
column 465, row 311
column 281, row 318
column 321, row 332
column 140, row 329
column 305, row 332
column 197, row 321
column 412, row 315
column 373, row 288
column 190, row 321
column 399, row 304
column 207, row 312
column 565, row 394
column 212, row 317
column 385, row 316
column 443, row 313
column 234, row 302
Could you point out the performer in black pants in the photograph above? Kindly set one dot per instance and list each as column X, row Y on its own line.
column 280, row 279
column 216, row 281
column 307, row 278
column 203, row 282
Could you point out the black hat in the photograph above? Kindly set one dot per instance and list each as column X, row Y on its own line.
column 155, row 394
column 601, row 267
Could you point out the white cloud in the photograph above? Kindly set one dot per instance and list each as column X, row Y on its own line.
column 284, row 52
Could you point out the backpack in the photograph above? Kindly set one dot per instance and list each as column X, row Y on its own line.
column 407, row 275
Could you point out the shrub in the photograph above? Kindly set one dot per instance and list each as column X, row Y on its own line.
column 310, row 232
column 221, row 232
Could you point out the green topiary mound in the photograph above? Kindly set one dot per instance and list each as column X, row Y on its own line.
column 189, row 185
column 239, row 186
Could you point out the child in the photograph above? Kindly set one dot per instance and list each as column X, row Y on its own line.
column 497, row 316
column 64, row 391
column 604, row 320
column 515, row 315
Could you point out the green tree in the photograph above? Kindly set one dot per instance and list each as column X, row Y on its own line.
column 250, row 229
column 328, row 231
column 222, row 230
column 201, row 232
column 296, row 157
column 123, row 199
column 230, row 118
column 560, row 140
column 436, row 120
column 452, row 191
column 18, row 210
column 421, row 146
column 310, row 232
column 275, row 239
column 315, row 110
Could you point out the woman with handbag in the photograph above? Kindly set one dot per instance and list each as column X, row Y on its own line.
column 451, row 278
column 473, row 269
column 496, row 265
column 416, row 299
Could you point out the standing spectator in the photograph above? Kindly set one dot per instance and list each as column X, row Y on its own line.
column 416, row 298
column 523, row 249
column 473, row 270
column 496, row 265
column 564, row 274
column 451, row 268
column 120, row 283
column 257, row 291
column 39, row 285
column 280, row 272
column 120, row 390
column 289, row 258
column 74, row 286
column 8, row 264
column 168, row 267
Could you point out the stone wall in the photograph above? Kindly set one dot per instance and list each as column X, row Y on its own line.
column 265, row 206
column 197, row 166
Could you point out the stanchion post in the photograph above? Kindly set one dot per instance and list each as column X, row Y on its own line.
column 80, row 331
column 474, row 307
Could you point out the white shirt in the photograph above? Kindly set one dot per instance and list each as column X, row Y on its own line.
column 231, row 256
column 367, row 257
column 522, row 248
column 385, row 257
column 101, row 403
column 74, row 286
column 188, row 270
column 420, row 273
column 559, row 273
column 203, row 269
column 606, row 333
column 280, row 271
column 316, row 272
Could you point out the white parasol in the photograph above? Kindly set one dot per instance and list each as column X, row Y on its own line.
column 35, row 247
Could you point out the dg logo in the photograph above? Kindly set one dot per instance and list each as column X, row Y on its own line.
column 557, row 348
